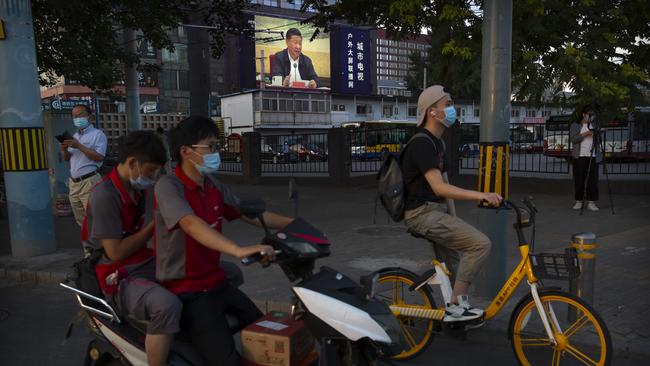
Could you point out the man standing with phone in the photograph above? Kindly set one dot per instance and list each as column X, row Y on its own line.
column 85, row 151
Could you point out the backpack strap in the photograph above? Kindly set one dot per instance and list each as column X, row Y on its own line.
column 417, row 135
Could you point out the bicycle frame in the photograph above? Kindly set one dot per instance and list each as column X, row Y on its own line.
column 524, row 270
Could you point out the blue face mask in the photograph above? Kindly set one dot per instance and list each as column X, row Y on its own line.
column 81, row 122
column 141, row 183
column 211, row 163
column 450, row 116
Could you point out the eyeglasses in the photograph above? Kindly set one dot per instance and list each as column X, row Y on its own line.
column 213, row 146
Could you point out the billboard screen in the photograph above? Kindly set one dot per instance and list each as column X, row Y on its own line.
column 270, row 37
column 351, row 72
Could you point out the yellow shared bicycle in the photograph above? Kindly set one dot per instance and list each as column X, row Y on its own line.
column 547, row 326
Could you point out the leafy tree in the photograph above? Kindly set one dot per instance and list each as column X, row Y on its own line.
column 599, row 49
column 82, row 39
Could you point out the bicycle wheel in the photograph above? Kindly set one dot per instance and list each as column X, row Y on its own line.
column 393, row 289
column 581, row 335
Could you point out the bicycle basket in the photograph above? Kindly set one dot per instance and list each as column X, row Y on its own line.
column 556, row 266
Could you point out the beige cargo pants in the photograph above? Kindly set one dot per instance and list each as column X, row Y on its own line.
column 460, row 245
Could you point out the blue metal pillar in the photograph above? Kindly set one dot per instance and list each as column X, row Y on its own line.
column 24, row 160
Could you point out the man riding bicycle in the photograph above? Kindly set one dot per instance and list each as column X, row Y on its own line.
column 430, row 209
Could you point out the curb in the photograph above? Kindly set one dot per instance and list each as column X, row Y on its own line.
column 25, row 275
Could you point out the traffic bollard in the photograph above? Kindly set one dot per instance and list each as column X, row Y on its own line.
column 583, row 285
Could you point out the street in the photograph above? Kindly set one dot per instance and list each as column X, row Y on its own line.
column 34, row 319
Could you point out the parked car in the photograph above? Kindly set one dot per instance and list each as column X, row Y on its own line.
column 468, row 150
column 270, row 154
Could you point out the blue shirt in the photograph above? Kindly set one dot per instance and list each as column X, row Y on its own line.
column 93, row 139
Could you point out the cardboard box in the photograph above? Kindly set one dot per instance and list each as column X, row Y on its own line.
column 276, row 340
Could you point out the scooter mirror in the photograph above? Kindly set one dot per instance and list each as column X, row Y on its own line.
column 252, row 208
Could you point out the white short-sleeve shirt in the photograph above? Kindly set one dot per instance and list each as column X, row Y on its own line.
column 91, row 138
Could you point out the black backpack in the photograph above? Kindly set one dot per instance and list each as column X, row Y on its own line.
column 390, row 189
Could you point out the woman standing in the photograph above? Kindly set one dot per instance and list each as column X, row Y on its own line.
column 586, row 156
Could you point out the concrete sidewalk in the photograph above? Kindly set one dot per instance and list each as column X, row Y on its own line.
column 359, row 246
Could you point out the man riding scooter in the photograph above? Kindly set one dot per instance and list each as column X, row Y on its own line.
column 114, row 223
column 190, row 205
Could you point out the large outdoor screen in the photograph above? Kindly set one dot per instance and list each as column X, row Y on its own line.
column 312, row 60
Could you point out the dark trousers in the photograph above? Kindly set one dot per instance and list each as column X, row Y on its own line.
column 580, row 167
column 204, row 322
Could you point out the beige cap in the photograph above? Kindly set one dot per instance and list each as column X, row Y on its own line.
column 429, row 97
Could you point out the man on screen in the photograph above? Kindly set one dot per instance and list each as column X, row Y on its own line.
column 292, row 65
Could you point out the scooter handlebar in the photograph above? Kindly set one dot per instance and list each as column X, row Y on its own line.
column 257, row 257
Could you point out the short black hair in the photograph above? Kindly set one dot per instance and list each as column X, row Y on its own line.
column 189, row 132
column 160, row 130
column 293, row 32
column 579, row 113
column 145, row 146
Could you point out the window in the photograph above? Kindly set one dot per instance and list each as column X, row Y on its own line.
column 514, row 113
column 363, row 109
column 546, row 113
column 413, row 111
column 531, row 113
column 173, row 80
column 296, row 4
column 341, row 107
column 388, row 110
column 477, row 112
column 179, row 55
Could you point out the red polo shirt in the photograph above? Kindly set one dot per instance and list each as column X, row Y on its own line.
column 182, row 263
column 113, row 214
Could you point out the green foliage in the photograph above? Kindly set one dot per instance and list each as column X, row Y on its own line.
column 83, row 39
column 599, row 49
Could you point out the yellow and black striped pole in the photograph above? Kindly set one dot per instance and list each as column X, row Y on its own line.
column 493, row 169
column 23, row 149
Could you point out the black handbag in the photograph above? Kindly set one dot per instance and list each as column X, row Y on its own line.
column 84, row 275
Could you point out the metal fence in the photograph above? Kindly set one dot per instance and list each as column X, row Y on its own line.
column 294, row 153
column 536, row 149
column 367, row 146
column 230, row 152
column 528, row 152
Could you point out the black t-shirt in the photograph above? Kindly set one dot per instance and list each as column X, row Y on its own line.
column 420, row 156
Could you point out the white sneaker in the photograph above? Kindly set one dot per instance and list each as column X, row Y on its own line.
column 591, row 206
column 578, row 205
column 462, row 311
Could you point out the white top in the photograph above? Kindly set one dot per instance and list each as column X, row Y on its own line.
column 294, row 75
column 587, row 143
column 91, row 138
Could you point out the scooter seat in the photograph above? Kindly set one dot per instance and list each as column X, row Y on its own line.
column 141, row 325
